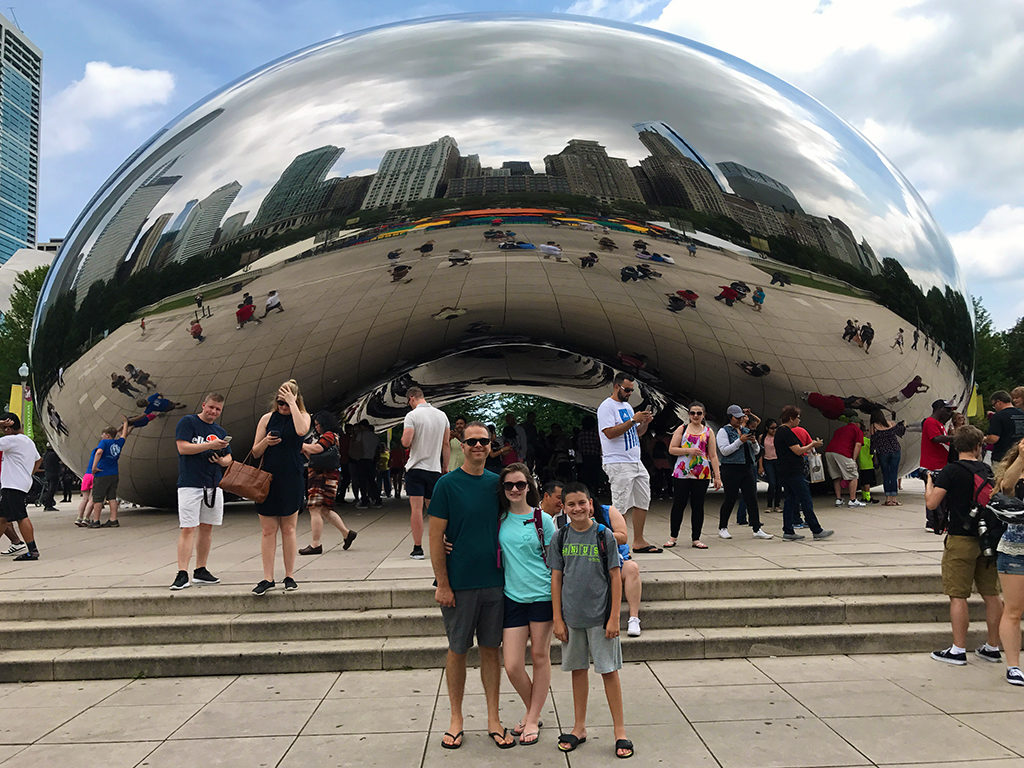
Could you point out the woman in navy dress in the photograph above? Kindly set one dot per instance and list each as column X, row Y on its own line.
column 278, row 440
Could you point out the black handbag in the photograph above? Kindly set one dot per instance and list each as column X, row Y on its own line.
column 327, row 460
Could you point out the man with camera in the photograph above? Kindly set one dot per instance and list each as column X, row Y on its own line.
column 964, row 563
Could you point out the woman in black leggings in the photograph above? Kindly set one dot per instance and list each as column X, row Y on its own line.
column 695, row 469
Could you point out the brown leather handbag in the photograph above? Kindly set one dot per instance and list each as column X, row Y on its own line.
column 247, row 481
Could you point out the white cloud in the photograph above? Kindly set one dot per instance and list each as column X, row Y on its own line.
column 105, row 94
column 994, row 249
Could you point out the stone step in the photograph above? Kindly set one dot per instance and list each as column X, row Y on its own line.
column 369, row 595
column 305, row 625
column 236, row 658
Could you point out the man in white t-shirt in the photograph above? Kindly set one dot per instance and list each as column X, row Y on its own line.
column 425, row 434
column 21, row 460
column 620, row 430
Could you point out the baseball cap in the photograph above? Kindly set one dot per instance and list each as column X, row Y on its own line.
column 943, row 404
column 734, row 410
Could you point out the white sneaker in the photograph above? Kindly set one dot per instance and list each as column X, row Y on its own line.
column 761, row 533
column 723, row 533
column 839, row 502
column 16, row 548
column 633, row 626
column 856, row 503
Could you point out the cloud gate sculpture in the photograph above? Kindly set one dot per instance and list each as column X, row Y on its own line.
column 486, row 204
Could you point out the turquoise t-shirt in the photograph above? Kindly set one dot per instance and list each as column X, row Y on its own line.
column 527, row 577
column 470, row 505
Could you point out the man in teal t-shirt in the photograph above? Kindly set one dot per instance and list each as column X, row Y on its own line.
column 464, row 507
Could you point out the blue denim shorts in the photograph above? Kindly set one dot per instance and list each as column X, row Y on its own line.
column 1011, row 565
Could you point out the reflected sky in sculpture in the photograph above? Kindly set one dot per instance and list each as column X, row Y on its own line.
column 287, row 153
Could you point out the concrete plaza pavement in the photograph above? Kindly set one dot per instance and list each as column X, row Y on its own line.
column 776, row 712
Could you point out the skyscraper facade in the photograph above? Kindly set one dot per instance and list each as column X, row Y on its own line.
column 754, row 185
column 21, row 65
column 301, row 188
column 203, row 221
column 591, row 172
column 413, row 173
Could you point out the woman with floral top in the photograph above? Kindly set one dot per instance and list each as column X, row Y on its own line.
column 695, row 469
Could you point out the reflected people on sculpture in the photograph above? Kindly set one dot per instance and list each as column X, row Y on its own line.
column 427, row 253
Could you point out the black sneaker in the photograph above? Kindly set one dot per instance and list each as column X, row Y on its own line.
column 263, row 587
column 947, row 655
column 181, row 581
column 28, row 556
column 1014, row 676
column 93, row 524
column 417, row 553
column 111, row 524
column 982, row 652
column 289, row 584
column 203, row 576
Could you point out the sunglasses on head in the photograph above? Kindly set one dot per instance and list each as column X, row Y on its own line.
column 471, row 441
column 519, row 485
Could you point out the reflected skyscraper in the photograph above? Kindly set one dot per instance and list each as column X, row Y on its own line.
column 202, row 223
column 413, row 173
column 754, row 185
column 591, row 172
column 301, row 188
column 679, row 175
column 112, row 244
column 145, row 250
column 20, row 77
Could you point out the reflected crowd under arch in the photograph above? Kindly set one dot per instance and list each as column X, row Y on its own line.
column 484, row 203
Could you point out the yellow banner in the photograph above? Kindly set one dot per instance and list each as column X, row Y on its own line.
column 15, row 403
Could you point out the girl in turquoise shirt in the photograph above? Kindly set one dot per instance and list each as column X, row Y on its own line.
column 524, row 534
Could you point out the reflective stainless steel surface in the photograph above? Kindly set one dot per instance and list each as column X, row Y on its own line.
column 371, row 179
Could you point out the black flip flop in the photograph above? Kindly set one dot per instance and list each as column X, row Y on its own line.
column 495, row 735
column 517, row 731
column 455, row 740
column 623, row 744
column 567, row 742
column 529, row 743
column 649, row 549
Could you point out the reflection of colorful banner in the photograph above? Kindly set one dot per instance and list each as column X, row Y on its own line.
column 16, row 400
column 27, row 421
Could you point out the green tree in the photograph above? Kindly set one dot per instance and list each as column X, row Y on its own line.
column 15, row 329
column 491, row 409
column 991, row 364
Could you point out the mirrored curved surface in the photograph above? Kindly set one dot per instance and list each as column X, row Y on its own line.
column 496, row 204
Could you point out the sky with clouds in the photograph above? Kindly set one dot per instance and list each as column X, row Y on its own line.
column 933, row 83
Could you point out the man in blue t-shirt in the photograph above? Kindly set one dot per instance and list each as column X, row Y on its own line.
column 103, row 468
column 464, row 507
column 203, row 453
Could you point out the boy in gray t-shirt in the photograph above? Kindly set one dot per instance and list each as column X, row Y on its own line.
column 585, row 600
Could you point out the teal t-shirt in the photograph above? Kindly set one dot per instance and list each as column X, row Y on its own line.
column 470, row 505
column 527, row 576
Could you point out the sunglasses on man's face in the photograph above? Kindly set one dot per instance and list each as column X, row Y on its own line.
column 519, row 485
column 626, row 389
column 473, row 441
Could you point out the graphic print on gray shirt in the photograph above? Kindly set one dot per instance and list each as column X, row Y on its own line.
column 585, row 592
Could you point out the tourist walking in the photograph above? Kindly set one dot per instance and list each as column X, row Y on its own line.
column 1010, row 564
column 790, row 452
column 524, row 535
column 20, row 462
column 695, row 469
column 425, row 434
column 322, row 483
column 885, row 442
column 738, row 449
column 278, row 441
column 203, row 453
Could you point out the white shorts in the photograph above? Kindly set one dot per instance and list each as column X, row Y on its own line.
column 193, row 510
column 841, row 467
column 631, row 486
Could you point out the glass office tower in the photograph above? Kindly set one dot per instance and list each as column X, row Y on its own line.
column 20, row 77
